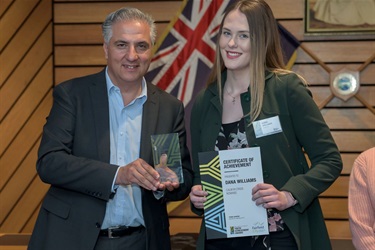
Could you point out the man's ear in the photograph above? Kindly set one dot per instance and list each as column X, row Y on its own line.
column 105, row 48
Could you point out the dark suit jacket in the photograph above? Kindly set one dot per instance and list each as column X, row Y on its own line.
column 74, row 159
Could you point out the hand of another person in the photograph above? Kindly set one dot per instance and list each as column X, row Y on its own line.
column 269, row 197
column 141, row 173
column 168, row 177
column 198, row 197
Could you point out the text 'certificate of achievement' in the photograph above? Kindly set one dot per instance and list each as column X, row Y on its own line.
column 229, row 176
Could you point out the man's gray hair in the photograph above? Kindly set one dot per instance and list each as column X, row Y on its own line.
column 127, row 14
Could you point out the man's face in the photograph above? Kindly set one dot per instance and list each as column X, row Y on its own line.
column 128, row 52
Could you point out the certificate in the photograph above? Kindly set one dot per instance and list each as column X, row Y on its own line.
column 229, row 176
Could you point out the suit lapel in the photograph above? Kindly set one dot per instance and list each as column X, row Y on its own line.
column 149, row 121
column 99, row 100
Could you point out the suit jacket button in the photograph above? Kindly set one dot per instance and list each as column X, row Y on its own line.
column 97, row 225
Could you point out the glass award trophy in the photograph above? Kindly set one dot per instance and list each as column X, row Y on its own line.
column 167, row 157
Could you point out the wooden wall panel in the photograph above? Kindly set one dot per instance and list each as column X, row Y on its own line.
column 20, row 155
column 26, row 104
column 335, row 208
column 25, row 70
column 354, row 141
column 90, row 55
column 20, row 159
column 86, row 34
column 78, row 34
column 26, row 79
column 21, row 213
column 13, row 18
column 17, row 185
column 355, row 118
column 348, row 160
column 12, row 54
column 66, row 73
column 338, row 189
column 4, row 5
column 320, row 94
column 339, row 230
column 73, row 37
column 96, row 12
column 337, row 51
column 316, row 75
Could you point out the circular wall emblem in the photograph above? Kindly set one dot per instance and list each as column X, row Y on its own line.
column 345, row 85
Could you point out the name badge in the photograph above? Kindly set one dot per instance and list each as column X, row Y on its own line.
column 267, row 126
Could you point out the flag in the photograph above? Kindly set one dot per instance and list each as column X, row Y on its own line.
column 184, row 57
column 289, row 45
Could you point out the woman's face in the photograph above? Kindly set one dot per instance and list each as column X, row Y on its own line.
column 235, row 41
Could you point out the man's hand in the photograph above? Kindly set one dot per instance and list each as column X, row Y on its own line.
column 141, row 173
column 168, row 177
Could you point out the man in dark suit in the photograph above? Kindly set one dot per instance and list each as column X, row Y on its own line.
column 96, row 151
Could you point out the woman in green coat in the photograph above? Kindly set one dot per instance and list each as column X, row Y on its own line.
column 250, row 85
